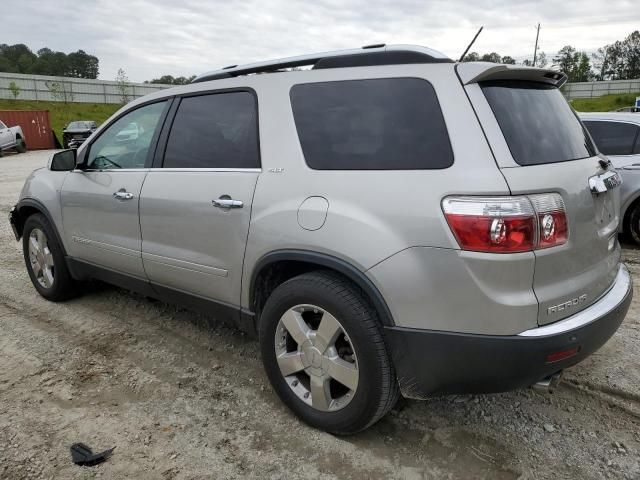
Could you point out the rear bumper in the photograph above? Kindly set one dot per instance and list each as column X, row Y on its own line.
column 429, row 362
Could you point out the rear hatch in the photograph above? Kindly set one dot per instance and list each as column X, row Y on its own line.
column 541, row 147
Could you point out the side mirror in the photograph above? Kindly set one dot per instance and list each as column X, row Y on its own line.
column 63, row 161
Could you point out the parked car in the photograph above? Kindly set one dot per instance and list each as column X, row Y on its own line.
column 75, row 133
column 12, row 138
column 617, row 136
column 388, row 221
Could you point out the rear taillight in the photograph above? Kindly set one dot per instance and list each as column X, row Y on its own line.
column 507, row 224
column 552, row 219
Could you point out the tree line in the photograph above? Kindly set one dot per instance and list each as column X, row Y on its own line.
column 617, row 61
column 20, row 59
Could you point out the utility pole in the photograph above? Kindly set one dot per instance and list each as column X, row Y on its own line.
column 535, row 50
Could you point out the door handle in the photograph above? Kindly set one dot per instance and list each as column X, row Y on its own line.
column 122, row 194
column 226, row 202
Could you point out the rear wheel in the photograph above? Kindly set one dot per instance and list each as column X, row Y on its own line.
column 21, row 146
column 45, row 260
column 323, row 351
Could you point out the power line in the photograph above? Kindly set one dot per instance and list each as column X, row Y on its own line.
column 535, row 50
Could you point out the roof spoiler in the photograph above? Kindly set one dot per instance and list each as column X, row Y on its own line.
column 474, row 72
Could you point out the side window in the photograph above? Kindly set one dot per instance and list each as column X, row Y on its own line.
column 378, row 124
column 613, row 138
column 2, row 126
column 214, row 131
column 126, row 143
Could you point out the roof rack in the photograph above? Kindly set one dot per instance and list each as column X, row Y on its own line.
column 379, row 54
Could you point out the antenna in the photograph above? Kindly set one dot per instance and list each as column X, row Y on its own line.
column 472, row 42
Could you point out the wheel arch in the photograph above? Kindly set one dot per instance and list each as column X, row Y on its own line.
column 278, row 266
column 29, row 206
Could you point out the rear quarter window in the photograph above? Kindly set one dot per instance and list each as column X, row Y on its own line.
column 376, row 124
column 613, row 138
column 538, row 124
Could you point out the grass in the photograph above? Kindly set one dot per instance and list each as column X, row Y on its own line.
column 606, row 103
column 60, row 113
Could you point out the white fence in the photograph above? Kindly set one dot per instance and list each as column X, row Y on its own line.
column 597, row 89
column 40, row 87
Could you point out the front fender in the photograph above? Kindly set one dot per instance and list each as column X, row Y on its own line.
column 41, row 193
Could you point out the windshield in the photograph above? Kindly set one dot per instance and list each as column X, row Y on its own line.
column 537, row 122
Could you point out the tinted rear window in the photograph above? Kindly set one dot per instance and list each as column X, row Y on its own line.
column 379, row 124
column 537, row 122
column 613, row 138
column 214, row 131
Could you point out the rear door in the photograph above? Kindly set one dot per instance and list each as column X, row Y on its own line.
column 196, row 206
column 541, row 146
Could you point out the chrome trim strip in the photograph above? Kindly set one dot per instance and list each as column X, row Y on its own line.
column 604, row 305
column 123, row 170
column 184, row 265
column 244, row 170
column 106, row 246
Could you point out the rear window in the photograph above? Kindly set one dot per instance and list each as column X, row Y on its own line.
column 537, row 122
column 217, row 130
column 614, row 138
column 378, row 124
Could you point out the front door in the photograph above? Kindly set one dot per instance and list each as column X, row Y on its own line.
column 195, row 209
column 100, row 199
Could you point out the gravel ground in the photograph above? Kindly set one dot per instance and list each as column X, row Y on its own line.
column 180, row 398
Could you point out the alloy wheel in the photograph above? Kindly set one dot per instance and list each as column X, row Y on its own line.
column 316, row 358
column 41, row 258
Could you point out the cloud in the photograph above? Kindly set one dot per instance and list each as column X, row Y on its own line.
column 183, row 37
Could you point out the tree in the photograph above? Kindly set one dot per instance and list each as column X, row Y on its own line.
column 122, row 85
column 15, row 89
column 170, row 80
column 582, row 72
column 20, row 59
column 619, row 60
column 60, row 91
column 566, row 59
column 82, row 65
column 541, row 60
column 471, row 57
column 492, row 57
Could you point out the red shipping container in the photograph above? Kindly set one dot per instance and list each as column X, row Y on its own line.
column 35, row 126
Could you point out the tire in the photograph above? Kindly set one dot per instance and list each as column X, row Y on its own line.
column 632, row 224
column 21, row 146
column 356, row 353
column 45, row 262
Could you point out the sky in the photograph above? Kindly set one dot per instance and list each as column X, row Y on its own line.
column 150, row 38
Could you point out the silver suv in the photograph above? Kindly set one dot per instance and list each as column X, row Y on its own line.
column 388, row 221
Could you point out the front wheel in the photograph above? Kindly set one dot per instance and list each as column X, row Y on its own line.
column 45, row 260
column 21, row 146
column 323, row 351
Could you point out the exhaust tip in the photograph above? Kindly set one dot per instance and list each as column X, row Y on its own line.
column 548, row 384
